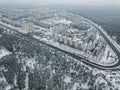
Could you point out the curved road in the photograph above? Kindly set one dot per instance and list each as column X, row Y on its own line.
column 83, row 59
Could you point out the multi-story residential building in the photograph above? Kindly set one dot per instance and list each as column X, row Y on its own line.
column 28, row 26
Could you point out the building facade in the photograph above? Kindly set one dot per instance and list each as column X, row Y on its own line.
column 28, row 26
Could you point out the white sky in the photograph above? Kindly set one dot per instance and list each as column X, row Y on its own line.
column 91, row 2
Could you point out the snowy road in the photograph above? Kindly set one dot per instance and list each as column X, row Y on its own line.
column 83, row 59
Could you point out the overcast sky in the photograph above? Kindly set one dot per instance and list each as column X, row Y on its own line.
column 90, row 2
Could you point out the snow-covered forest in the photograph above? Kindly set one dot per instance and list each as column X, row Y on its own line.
column 27, row 64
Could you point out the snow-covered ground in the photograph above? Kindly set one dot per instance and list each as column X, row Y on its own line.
column 30, row 62
column 103, row 61
column 67, row 79
column 26, row 82
column 3, row 81
column 57, row 20
column 108, row 59
column 106, row 34
column 4, row 52
column 13, row 27
column 75, row 86
column 37, row 37
column 114, row 78
column 41, row 28
column 111, row 77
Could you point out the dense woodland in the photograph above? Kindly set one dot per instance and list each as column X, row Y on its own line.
column 46, row 68
column 106, row 16
column 113, row 28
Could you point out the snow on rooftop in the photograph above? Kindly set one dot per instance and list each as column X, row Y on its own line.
column 64, row 21
column 37, row 37
column 57, row 21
